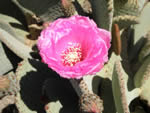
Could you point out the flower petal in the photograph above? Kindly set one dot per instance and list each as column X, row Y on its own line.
column 65, row 32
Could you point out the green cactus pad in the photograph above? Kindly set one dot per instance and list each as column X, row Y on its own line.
column 103, row 13
column 144, row 25
column 4, row 60
column 142, row 78
column 14, row 27
column 140, row 31
column 90, row 103
column 53, row 107
column 86, row 5
column 145, row 51
column 7, row 100
column 122, row 96
column 128, row 7
column 23, row 68
column 126, row 12
column 49, row 9
column 13, row 43
column 125, row 20
column 101, row 83
column 107, row 70
column 68, row 8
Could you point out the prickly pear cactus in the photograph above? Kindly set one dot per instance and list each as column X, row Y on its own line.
column 121, row 93
column 4, row 60
column 145, row 49
column 10, row 38
column 7, row 100
column 68, row 8
column 142, row 78
column 86, row 6
column 122, row 85
column 126, row 12
column 91, row 103
column 102, row 84
column 126, row 7
column 103, row 13
column 49, row 10
column 22, row 107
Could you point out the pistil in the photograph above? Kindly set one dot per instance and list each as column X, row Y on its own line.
column 72, row 55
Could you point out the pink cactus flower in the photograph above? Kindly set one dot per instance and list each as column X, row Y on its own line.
column 74, row 46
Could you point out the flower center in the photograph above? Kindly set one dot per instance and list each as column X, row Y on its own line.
column 72, row 55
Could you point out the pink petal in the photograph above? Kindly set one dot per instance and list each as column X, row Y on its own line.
column 63, row 33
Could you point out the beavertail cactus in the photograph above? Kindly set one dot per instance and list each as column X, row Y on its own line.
column 68, row 8
column 122, row 95
column 146, row 48
column 86, row 6
column 142, row 78
column 103, row 13
column 79, row 38
column 126, row 12
column 91, row 103
column 10, row 38
column 7, row 100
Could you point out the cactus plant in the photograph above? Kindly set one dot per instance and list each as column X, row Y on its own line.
column 101, row 13
column 4, row 60
column 122, row 96
column 8, row 37
column 141, row 79
column 7, row 100
column 121, row 86
column 126, row 11
column 145, row 49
